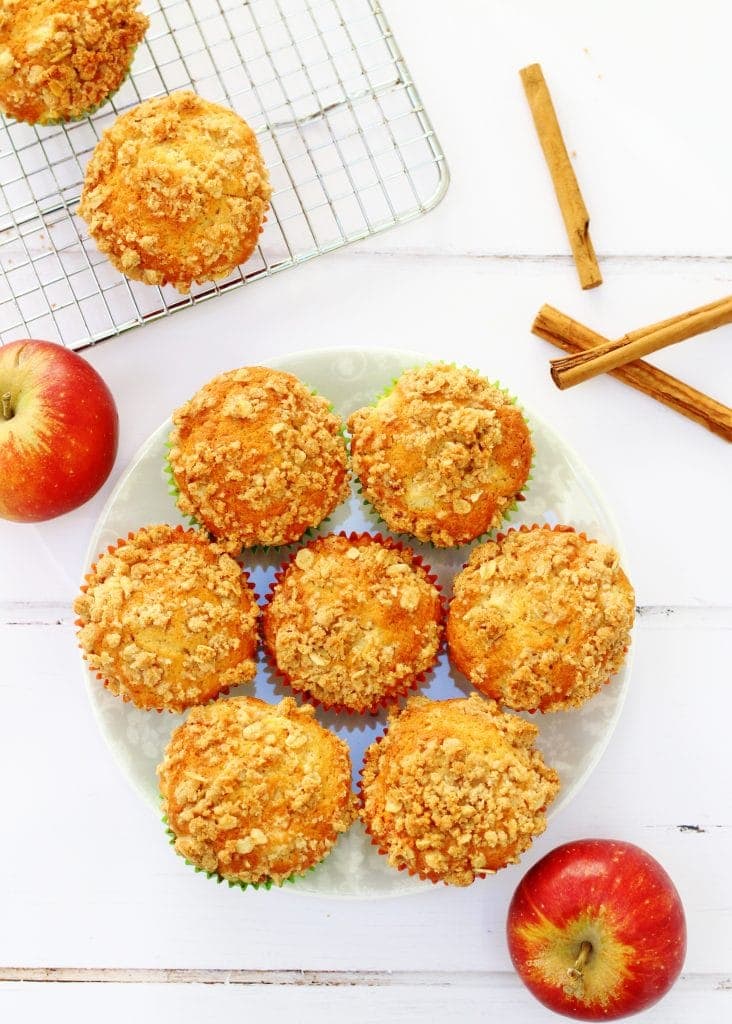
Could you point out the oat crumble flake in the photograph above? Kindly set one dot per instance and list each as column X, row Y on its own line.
column 254, row 791
column 541, row 618
column 353, row 621
column 168, row 619
column 59, row 59
column 455, row 789
column 257, row 458
column 443, row 456
column 176, row 191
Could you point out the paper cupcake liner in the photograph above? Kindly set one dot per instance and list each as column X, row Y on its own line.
column 401, row 688
column 255, row 549
column 427, row 876
column 125, row 698
column 267, row 883
column 507, row 512
column 524, row 528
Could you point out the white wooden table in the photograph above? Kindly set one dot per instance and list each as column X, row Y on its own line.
column 98, row 920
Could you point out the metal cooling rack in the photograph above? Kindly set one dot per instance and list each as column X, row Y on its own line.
column 349, row 147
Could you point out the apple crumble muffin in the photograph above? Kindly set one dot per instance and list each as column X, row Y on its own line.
column 353, row 621
column 176, row 191
column 443, row 455
column 455, row 789
column 168, row 619
column 255, row 792
column 257, row 458
column 540, row 618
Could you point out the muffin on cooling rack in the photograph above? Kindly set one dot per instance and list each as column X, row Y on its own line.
column 443, row 455
column 255, row 793
column 257, row 458
column 61, row 59
column 455, row 789
column 353, row 621
column 168, row 619
column 540, row 618
column 176, row 191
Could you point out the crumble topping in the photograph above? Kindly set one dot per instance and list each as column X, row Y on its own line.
column 176, row 191
column 254, row 791
column 442, row 456
column 540, row 618
column 168, row 619
column 257, row 458
column 455, row 789
column 59, row 59
column 353, row 620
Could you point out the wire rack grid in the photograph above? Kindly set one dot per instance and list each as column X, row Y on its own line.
column 349, row 147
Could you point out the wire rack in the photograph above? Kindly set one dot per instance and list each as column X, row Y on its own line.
column 349, row 147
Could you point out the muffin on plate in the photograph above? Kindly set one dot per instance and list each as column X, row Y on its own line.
column 443, row 455
column 255, row 793
column 353, row 622
column 176, row 191
column 455, row 789
column 257, row 458
column 61, row 59
column 168, row 619
column 540, row 618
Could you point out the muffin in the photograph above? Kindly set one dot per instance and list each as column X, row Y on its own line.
column 257, row 458
column 255, row 792
column 443, row 455
column 455, row 789
column 61, row 59
column 353, row 621
column 168, row 619
column 176, row 191
column 540, row 618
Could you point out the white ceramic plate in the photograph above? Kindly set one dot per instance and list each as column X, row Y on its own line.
column 561, row 491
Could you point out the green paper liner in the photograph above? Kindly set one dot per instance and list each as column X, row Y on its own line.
column 125, row 698
column 311, row 532
column 524, row 528
column 507, row 512
column 403, row 687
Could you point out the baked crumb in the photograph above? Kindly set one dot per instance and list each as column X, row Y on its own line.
column 540, row 618
column 443, row 456
column 176, row 191
column 455, row 789
column 353, row 621
column 256, row 792
column 257, row 458
column 60, row 59
column 168, row 619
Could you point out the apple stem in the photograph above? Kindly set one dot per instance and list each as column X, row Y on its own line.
column 7, row 408
column 576, row 972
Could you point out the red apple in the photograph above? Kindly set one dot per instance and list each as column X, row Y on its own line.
column 596, row 930
column 58, row 430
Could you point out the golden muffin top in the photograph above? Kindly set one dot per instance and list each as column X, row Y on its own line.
column 256, row 792
column 443, row 455
column 176, row 191
column 353, row 621
column 258, row 458
column 455, row 789
column 540, row 618
column 59, row 59
column 168, row 619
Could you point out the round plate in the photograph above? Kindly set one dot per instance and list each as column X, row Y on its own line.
column 561, row 491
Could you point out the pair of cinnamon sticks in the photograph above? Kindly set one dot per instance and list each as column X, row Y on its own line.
column 591, row 353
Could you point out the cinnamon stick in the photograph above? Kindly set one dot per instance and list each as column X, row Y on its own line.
column 574, row 211
column 571, row 336
column 608, row 356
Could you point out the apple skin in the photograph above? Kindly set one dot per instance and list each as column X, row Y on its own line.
column 617, row 898
column 60, row 442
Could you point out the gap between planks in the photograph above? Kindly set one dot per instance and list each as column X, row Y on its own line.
column 370, row 979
